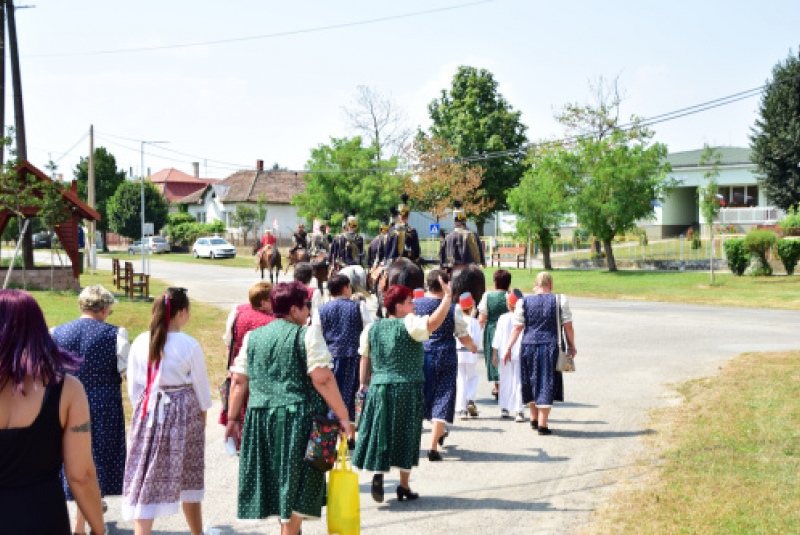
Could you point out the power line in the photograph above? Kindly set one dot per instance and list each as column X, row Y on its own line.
column 179, row 152
column 81, row 140
column 263, row 36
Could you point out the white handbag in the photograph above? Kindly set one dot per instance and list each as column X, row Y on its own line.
column 565, row 363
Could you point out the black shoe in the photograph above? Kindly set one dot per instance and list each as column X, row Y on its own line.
column 433, row 455
column 545, row 431
column 534, row 424
column 405, row 494
column 496, row 394
column 351, row 444
column 377, row 488
column 444, row 436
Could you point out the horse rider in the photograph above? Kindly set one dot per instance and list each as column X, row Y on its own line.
column 319, row 242
column 461, row 247
column 402, row 241
column 267, row 242
column 348, row 248
column 299, row 239
column 377, row 246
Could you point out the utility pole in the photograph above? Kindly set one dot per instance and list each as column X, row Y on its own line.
column 90, row 242
column 2, row 78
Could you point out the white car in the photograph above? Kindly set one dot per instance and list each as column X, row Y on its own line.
column 213, row 248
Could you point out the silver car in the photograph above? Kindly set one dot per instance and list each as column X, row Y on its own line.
column 155, row 244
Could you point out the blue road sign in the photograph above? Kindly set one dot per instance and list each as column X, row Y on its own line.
column 434, row 229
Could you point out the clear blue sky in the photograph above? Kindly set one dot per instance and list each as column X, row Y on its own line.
column 276, row 98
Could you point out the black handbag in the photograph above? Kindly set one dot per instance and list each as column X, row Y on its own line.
column 321, row 447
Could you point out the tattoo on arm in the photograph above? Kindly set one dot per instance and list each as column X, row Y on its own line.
column 83, row 428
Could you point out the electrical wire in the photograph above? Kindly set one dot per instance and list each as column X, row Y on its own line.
column 263, row 36
column 81, row 140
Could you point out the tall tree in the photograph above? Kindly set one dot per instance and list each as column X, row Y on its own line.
column 476, row 119
column 709, row 201
column 378, row 119
column 441, row 179
column 246, row 218
column 124, row 209
column 107, row 179
column 775, row 138
column 542, row 199
column 340, row 187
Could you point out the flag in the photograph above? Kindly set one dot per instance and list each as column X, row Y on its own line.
column 315, row 228
column 275, row 223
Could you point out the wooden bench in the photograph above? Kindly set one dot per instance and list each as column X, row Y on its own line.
column 133, row 281
column 510, row 254
column 116, row 275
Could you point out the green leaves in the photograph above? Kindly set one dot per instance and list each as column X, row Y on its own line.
column 107, row 178
column 124, row 209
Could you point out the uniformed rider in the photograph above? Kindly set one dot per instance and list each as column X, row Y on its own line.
column 348, row 248
column 402, row 240
column 377, row 247
column 318, row 241
column 461, row 247
column 299, row 239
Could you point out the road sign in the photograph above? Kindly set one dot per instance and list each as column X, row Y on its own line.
column 148, row 229
column 434, row 229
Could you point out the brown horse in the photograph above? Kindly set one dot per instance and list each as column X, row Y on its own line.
column 402, row 272
column 300, row 255
column 268, row 261
column 468, row 279
column 320, row 266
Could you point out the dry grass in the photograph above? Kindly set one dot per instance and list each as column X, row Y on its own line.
column 725, row 461
column 206, row 326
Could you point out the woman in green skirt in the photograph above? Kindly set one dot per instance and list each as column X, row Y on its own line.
column 390, row 428
column 272, row 366
column 492, row 306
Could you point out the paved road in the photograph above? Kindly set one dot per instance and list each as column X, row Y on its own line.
column 499, row 476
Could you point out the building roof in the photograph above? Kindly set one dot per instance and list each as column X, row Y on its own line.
column 730, row 156
column 175, row 185
column 173, row 175
column 279, row 187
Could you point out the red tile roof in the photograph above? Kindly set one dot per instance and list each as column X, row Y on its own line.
column 173, row 175
column 246, row 186
column 174, row 184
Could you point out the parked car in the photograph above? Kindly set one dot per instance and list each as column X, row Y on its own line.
column 213, row 248
column 42, row 240
column 154, row 244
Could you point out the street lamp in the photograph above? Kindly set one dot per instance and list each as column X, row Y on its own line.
column 144, row 247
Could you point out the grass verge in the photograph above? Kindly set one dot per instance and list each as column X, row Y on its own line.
column 206, row 325
column 780, row 292
column 725, row 461
column 241, row 260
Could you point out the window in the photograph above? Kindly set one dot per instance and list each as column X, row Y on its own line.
column 201, row 217
column 751, row 195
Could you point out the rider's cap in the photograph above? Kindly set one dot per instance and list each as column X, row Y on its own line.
column 352, row 219
column 403, row 208
column 385, row 222
column 458, row 211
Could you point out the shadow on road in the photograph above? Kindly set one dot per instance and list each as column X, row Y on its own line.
column 594, row 435
column 454, row 453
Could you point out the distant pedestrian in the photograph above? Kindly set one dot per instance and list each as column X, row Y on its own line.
column 44, row 424
column 104, row 349
column 168, row 387
column 467, row 380
column 537, row 315
column 492, row 306
column 510, row 397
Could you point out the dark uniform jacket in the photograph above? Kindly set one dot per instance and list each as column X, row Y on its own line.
column 300, row 239
column 402, row 241
column 461, row 246
column 347, row 249
column 377, row 250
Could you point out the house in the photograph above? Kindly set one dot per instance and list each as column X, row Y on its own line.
column 218, row 200
column 175, row 185
column 744, row 203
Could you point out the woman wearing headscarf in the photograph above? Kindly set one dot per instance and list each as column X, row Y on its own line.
column 286, row 369
column 391, row 349
column 44, row 425
column 104, row 349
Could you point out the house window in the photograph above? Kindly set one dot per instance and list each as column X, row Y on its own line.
column 751, row 195
column 201, row 217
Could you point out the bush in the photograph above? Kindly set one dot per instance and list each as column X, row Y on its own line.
column 737, row 255
column 789, row 252
column 696, row 243
column 759, row 242
column 791, row 221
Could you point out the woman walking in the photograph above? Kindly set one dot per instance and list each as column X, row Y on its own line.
column 44, row 424
column 390, row 428
column 286, row 368
column 168, row 387
column 492, row 306
column 538, row 316
column 104, row 349
column 441, row 360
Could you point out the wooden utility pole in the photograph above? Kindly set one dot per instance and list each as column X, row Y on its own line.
column 2, row 79
column 19, row 119
column 90, row 245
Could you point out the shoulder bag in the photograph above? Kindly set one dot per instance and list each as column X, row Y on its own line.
column 321, row 447
column 565, row 363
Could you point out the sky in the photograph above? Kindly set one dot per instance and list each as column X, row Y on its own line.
column 275, row 98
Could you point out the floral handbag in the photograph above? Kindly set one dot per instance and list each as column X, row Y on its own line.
column 321, row 447
column 361, row 397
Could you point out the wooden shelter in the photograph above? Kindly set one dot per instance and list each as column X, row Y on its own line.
column 67, row 231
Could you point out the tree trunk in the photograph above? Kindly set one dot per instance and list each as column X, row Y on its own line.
column 546, row 257
column 479, row 225
column 612, row 264
column 105, row 241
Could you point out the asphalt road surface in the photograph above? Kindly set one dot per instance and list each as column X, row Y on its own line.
column 499, row 476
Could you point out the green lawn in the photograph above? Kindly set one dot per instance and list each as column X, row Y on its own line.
column 243, row 258
column 688, row 287
column 725, row 461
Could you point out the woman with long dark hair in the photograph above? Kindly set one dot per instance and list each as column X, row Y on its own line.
column 44, row 423
column 168, row 386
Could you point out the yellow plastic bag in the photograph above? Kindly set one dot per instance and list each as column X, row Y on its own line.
column 344, row 507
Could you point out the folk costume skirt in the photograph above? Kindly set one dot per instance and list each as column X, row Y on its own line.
column 390, row 428
column 441, row 373
column 488, row 337
column 345, row 370
column 274, row 481
column 166, row 458
column 540, row 382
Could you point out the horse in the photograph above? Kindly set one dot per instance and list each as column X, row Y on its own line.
column 469, row 279
column 401, row 272
column 271, row 262
column 300, row 255
column 319, row 264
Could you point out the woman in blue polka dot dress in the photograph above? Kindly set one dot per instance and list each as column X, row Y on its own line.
column 104, row 349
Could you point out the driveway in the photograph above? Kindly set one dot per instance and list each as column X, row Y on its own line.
column 499, row 476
